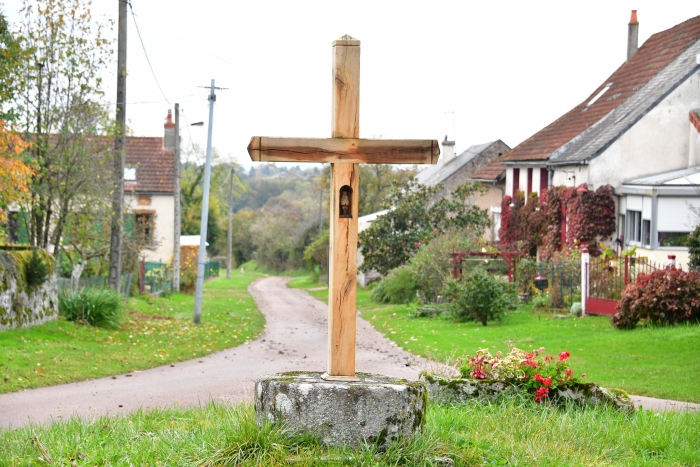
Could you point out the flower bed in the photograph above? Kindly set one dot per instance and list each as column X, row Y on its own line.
column 547, row 379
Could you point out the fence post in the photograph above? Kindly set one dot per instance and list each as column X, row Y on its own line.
column 142, row 277
column 585, row 261
column 627, row 270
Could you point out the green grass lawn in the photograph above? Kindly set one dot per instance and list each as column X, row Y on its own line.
column 655, row 362
column 154, row 331
column 511, row 432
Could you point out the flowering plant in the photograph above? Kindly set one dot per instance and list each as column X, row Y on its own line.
column 532, row 371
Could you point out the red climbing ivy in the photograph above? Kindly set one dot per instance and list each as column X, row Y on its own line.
column 590, row 216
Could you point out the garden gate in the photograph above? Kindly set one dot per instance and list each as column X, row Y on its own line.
column 606, row 278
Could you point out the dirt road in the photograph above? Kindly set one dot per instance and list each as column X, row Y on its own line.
column 295, row 338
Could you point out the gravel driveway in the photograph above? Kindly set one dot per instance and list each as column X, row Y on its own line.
column 295, row 338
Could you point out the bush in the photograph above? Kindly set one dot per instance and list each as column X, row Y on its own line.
column 694, row 249
column 480, row 296
column 96, row 307
column 398, row 287
column 541, row 300
column 35, row 271
column 432, row 265
column 525, row 273
column 316, row 254
column 668, row 296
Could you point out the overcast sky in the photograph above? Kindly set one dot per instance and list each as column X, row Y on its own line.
column 476, row 71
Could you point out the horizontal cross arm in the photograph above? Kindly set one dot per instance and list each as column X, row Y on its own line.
column 356, row 151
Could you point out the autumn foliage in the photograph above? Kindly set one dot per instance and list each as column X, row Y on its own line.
column 15, row 175
column 667, row 296
column 527, row 227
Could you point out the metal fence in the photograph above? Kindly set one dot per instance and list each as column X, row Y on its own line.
column 562, row 279
column 211, row 269
column 95, row 282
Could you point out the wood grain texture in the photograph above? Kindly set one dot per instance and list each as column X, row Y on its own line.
column 346, row 88
column 346, row 150
column 342, row 282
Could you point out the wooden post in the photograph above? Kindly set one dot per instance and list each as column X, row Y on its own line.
column 342, row 283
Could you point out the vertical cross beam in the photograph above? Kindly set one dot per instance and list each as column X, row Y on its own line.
column 342, row 287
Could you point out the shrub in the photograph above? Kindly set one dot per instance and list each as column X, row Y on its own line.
column 541, row 300
column 480, row 296
column 525, row 273
column 316, row 254
column 96, row 307
column 694, row 249
column 432, row 265
column 35, row 271
column 667, row 296
column 398, row 287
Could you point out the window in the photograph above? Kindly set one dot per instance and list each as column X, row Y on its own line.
column 646, row 230
column 129, row 174
column 673, row 238
column 516, row 181
column 634, row 226
column 529, row 181
column 143, row 232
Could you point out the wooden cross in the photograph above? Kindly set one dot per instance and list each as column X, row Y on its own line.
column 345, row 151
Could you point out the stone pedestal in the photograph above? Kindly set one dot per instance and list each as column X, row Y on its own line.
column 376, row 409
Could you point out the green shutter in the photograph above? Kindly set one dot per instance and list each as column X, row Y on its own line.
column 129, row 224
column 23, row 223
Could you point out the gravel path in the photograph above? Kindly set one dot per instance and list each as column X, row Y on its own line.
column 295, row 338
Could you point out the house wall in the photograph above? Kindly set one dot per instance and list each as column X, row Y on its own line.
column 660, row 256
column 658, row 142
column 491, row 199
column 693, row 145
column 163, row 233
column 523, row 179
column 570, row 176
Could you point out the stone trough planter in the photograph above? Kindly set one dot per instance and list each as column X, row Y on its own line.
column 443, row 390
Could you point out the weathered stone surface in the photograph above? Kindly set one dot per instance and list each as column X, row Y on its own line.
column 377, row 409
column 456, row 390
column 21, row 307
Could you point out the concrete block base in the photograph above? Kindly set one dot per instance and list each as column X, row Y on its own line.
column 376, row 409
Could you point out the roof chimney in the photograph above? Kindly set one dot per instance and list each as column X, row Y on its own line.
column 169, row 134
column 632, row 36
column 448, row 151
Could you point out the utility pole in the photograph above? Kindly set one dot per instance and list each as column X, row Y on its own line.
column 229, row 243
column 117, row 224
column 205, row 212
column 177, row 224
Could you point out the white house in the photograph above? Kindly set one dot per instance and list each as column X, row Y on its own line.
column 638, row 132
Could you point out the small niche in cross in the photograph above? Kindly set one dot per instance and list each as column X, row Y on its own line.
column 344, row 151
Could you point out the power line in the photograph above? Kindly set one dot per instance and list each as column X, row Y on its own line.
column 146, row 54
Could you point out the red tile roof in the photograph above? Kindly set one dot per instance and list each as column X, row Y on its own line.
column 656, row 53
column 155, row 168
column 493, row 171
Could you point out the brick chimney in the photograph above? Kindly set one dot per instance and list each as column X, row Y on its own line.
column 632, row 36
column 169, row 134
column 448, row 151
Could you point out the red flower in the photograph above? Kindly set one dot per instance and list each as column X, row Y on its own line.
column 569, row 372
column 563, row 356
column 541, row 394
column 544, row 381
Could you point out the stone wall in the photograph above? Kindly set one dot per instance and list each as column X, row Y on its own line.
column 20, row 304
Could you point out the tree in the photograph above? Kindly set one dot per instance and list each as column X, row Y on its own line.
column 62, row 109
column 376, row 181
column 413, row 219
column 15, row 175
column 12, row 56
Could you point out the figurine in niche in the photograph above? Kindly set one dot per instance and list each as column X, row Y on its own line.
column 345, row 211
